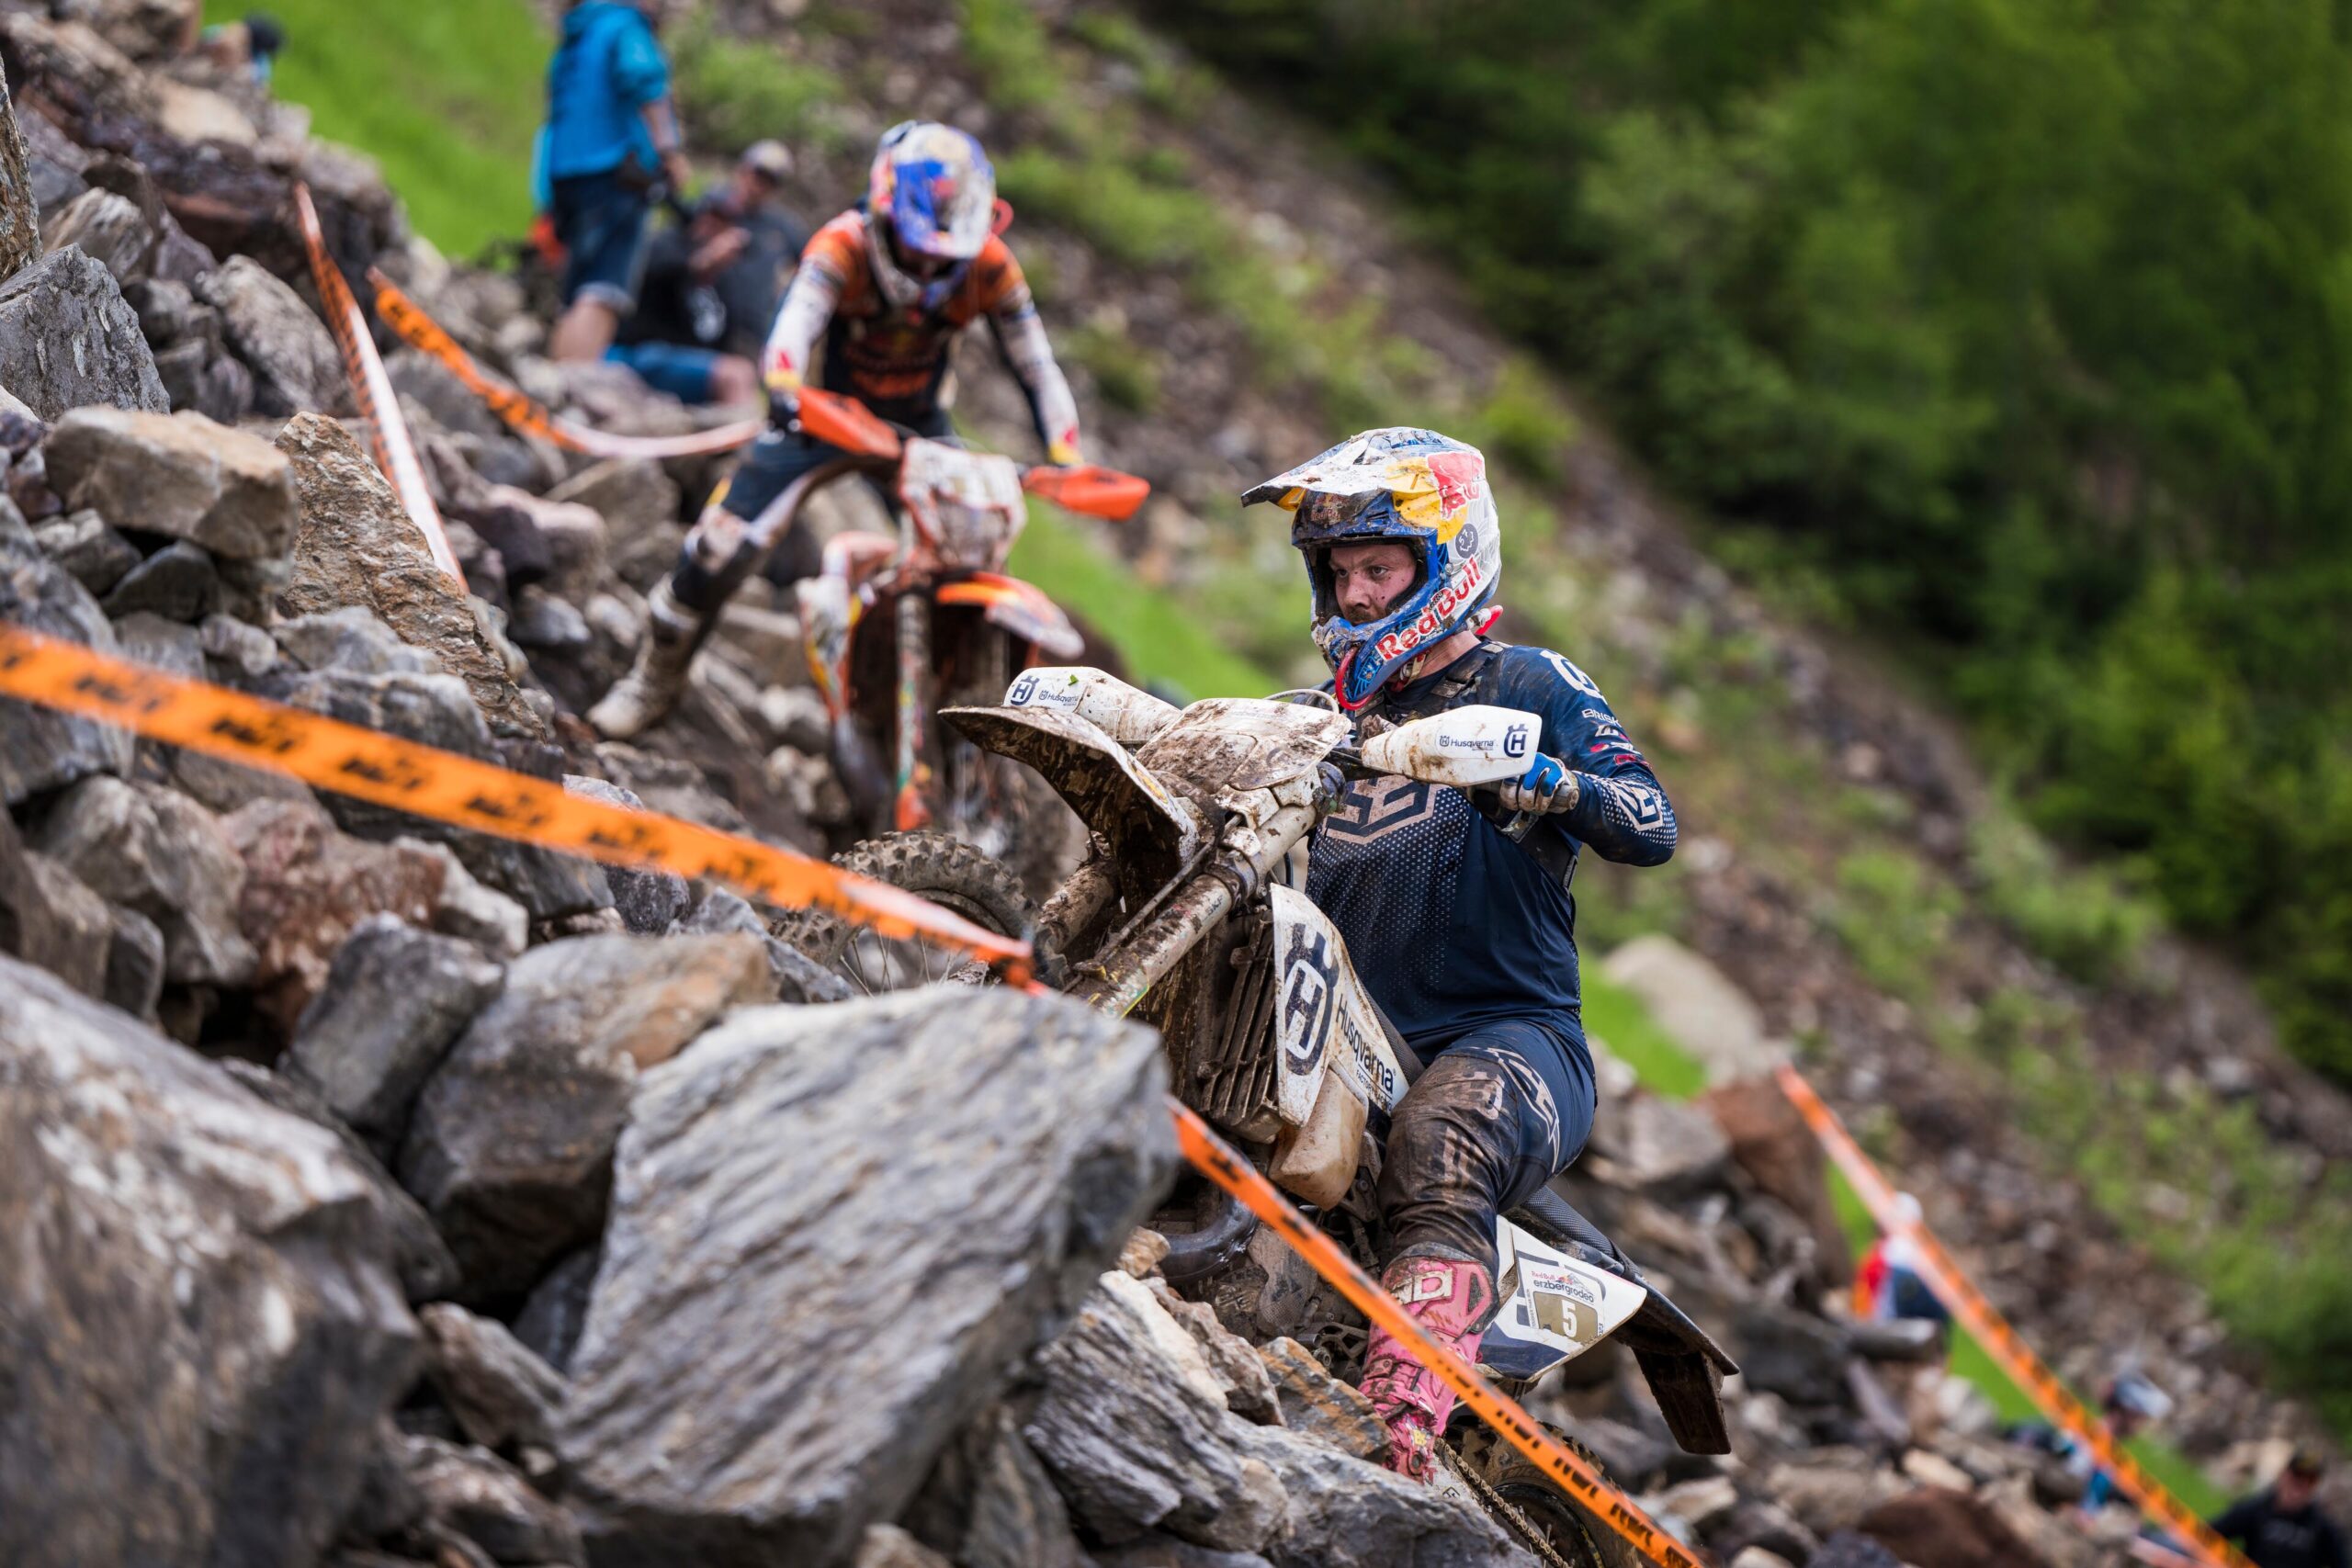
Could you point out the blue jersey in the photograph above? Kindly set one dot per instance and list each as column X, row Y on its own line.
column 1450, row 923
column 606, row 69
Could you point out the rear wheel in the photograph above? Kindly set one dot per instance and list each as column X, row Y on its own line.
column 935, row 866
column 1534, row 1508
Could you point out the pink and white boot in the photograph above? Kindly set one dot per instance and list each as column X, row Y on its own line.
column 1452, row 1300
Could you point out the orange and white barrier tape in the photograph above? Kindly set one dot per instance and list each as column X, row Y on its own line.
column 2000, row 1341
column 378, row 404
column 429, row 782
column 526, row 414
column 1221, row 1164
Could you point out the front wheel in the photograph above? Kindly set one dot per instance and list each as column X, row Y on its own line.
column 945, row 870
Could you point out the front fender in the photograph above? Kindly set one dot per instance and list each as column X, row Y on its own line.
column 1153, row 833
column 1021, row 608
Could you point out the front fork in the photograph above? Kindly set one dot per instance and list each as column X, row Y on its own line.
column 914, row 769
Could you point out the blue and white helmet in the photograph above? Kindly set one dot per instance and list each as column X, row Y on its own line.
column 1423, row 490
column 932, row 190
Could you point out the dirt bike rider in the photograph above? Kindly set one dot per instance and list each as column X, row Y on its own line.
column 887, row 286
column 1455, row 908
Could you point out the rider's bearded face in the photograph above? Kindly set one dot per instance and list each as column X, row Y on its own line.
column 1367, row 581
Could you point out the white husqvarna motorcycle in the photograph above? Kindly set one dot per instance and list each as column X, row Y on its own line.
column 1191, row 914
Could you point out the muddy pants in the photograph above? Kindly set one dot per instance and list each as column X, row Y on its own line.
column 726, row 546
column 1498, row 1112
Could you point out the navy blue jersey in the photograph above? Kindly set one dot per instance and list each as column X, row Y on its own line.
column 1450, row 922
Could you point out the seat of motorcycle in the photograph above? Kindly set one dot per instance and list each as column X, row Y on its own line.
column 1684, row 1367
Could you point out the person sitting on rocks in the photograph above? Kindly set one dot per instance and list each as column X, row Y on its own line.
column 712, row 282
column 1889, row 1285
column 2285, row 1527
column 611, row 139
column 1455, row 907
column 887, row 287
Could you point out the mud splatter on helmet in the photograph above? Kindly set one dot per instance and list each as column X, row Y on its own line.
column 933, row 191
column 1421, row 489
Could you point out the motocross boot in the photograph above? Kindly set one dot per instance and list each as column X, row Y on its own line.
column 1453, row 1299
column 642, row 698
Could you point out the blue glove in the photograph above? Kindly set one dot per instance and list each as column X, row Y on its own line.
column 1549, row 785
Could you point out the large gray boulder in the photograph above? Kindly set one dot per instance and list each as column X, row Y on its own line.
column 199, row 1319
column 177, row 474
column 835, row 1231
column 357, row 545
column 1342, row 1512
column 511, row 1144
column 294, row 362
column 69, row 339
column 41, row 748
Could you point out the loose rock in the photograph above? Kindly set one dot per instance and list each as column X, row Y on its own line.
column 511, row 1144
column 156, row 851
column 394, row 1001
column 41, row 748
column 356, row 546
column 500, row 1391
column 177, row 474
column 68, row 339
column 295, row 367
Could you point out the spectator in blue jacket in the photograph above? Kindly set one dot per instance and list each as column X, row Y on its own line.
column 611, row 140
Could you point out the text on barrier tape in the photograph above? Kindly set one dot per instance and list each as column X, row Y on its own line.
column 1221, row 1164
column 2000, row 1341
column 525, row 413
column 378, row 404
column 429, row 782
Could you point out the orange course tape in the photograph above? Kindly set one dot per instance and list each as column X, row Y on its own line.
column 429, row 782
column 378, row 404
column 2000, row 1341
column 526, row 414
column 1221, row 1164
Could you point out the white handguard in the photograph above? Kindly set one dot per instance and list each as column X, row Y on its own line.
column 1477, row 744
column 1126, row 714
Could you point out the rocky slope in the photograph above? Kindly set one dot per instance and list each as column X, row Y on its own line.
column 373, row 1194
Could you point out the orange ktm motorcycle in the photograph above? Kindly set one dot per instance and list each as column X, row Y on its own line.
column 896, row 629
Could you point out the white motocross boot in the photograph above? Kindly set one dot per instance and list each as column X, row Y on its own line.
column 643, row 697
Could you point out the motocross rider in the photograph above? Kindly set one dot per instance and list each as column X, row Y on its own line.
column 887, row 286
column 1455, row 907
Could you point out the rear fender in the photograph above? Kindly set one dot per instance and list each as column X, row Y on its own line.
column 1021, row 608
column 1149, row 829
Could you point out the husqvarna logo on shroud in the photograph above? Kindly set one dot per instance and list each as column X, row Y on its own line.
column 1306, row 996
column 1515, row 741
column 1023, row 691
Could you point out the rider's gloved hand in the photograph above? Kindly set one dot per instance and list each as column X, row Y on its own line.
column 1548, row 785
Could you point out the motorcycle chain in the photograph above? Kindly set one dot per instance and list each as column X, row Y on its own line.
column 1506, row 1514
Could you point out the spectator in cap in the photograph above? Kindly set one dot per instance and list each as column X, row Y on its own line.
column 2285, row 1527
column 710, row 286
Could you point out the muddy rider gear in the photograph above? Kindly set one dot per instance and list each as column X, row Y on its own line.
column 1415, row 487
column 638, row 699
column 1548, row 786
column 1452, row 1302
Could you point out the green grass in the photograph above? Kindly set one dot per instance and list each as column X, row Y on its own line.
column 446, row 95
column 1161, row 641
